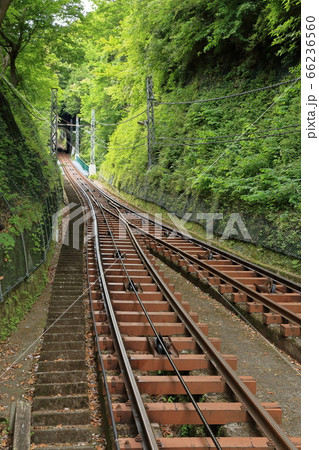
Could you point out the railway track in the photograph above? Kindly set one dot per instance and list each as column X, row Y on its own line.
column 275, row 298
column 165, row 382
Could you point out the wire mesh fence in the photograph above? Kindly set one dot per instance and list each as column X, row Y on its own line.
column 30, row 248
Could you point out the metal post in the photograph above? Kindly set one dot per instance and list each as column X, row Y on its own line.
column 54, row 120
column 43, row 242
column 46, row 217
column 77, row 137
column 25, row 255
column 71, row 137
column 150, row 121
column 92, row 167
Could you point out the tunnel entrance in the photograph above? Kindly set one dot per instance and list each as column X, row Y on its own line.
column 63, row 140
column 66, row 137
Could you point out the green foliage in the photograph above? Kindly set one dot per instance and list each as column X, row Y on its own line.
column 283, row 17
column 6, row 241
column 28, row 174
column 25, row 23
column 17, row 304
column 192, row 431
column 193, row 50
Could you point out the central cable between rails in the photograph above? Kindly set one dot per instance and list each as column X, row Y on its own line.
column 157, row 335
column 267, row 424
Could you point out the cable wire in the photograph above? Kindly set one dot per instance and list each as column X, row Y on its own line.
column 230, row 95
column 115, row 145
column 18, row 95
column 100, row 145
column 130, row 143
column 120, row 123
column 125, row 148
column 68, row 124
column 229, row 135
column 228, row 140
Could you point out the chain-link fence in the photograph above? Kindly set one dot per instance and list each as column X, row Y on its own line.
column 30, row 248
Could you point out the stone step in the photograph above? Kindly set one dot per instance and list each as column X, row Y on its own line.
column 63, row 307
column 60, row 403
column 75, row 376
column 60, row 389
column 70, row 298
column 60, row 337
column 61, row 329
column 63, row 435
column 61, row 417
column 57, row 346
column 73, row 355
column 67, row 285
column 69, row 271
column 66, row 291
column 61, row 366
column 69, row 447
column 65, row 321
column 58, row 309
column 70, row 265
column 52, row 315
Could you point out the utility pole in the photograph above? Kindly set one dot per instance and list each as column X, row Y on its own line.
column 54, row 121
column 71, row 137
column 77, row 137
column 150, row 121
column 92, row 166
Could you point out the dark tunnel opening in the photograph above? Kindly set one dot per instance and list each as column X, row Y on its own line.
column 66, row 135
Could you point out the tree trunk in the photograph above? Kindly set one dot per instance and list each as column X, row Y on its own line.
column 14, row 78
column 4, row 5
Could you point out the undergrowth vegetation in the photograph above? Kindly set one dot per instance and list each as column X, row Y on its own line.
column 28, row 174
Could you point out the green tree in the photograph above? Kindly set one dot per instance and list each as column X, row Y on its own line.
column 4, row 5
column 283, row 21
column 29, row 22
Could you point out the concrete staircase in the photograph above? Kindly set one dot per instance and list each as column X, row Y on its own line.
column 60, row 411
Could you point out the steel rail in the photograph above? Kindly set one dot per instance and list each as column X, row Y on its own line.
column 260, row 270
column 141, row 418
column 247, row 264
column 281, row 310
column 260, row 416
column 100, row 357
column 181, row 379
column 284, row 312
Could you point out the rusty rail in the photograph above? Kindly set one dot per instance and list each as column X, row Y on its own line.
column 276, row 437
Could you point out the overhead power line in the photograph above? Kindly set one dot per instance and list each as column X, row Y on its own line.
column 19, row 96
column 120, row 123
column 228, row 140
column 230, row 95
column 226, row 136
column 125, row 148
column 101, row 145
column 116, row 145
